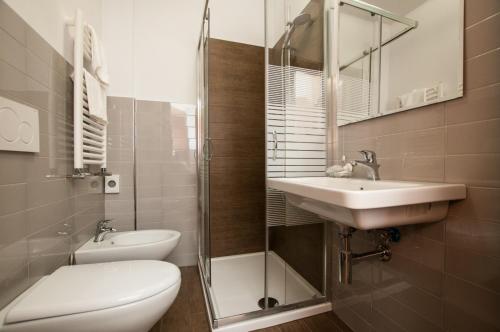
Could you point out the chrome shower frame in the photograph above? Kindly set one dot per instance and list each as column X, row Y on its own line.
column 205, row 282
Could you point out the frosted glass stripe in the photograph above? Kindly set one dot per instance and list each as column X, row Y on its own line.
column 297, row 162
column 296, row 119
column 297, row 138
column 299, row 154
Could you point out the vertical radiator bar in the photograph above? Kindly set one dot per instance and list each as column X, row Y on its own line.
column 78, row 92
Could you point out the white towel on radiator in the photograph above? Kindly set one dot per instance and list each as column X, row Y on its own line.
column 96, row 96
column 98, row 58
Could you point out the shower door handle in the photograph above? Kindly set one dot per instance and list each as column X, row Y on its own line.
column 204, row 152
column 275, row 145
column 207, row 149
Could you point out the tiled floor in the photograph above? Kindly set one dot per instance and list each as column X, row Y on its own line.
column 187, row 313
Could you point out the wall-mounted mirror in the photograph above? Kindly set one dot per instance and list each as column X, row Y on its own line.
column 397, row 55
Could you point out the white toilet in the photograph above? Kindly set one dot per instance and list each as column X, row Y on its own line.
column 126, row 296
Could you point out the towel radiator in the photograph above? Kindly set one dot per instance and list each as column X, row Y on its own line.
column 89, row 136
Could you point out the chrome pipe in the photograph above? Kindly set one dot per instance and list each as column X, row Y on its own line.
column 383, row 253
column 345, row 256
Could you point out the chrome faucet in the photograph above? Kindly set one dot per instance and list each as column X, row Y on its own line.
column 369, row 162
column 102, row 229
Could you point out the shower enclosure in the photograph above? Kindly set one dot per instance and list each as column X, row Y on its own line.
column 261, row 113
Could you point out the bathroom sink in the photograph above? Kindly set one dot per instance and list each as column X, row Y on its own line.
column 368, row 204
column 154, row 244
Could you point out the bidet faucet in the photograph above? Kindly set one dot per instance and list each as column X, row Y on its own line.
column 369, row 162
column 102, row 229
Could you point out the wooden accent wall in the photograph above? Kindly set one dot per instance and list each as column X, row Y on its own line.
column 236, row 100
column 302, row 248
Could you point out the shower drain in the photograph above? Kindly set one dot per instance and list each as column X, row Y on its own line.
column 271, row 302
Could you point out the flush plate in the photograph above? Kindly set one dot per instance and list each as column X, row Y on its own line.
column 19, row 130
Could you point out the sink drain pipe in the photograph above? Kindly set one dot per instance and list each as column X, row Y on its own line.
column 347, row 257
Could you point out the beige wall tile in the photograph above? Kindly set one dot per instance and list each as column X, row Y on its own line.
column 482, row 37
column 12, row 82
column 402, row 315
column 38, row 46
column 481, row 203
column 391, row 168
column 480, row 236
column 429, row 307
column 14, row 283
column 459, row 320
column 434, row 231
column 37, row 69
column 12, row 23
column 13, row 227
column 12, row 51
column 12, row 167
column 477, row 302
column 47, row 191
column 474, row 138
column 476, row 11
column 352, row 148
column 13, row 198
column 58, row 83
column 476, row 105
column 382, row 323
column 422, row 250
column 475, row 170
column 121, row 222
column 123, row 207
column 37, row 94
column 423, row 168
column 424, row 142
column 415, row 274
column 479, row 269
column 44, row 216
column 483, row 70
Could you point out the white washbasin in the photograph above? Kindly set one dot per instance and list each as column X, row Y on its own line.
column 367, row 204
column 154, row 244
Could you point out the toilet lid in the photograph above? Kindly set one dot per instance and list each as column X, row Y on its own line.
column 82, row 288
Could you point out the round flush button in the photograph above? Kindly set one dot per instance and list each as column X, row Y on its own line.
column 26, row 132
column 9, row 124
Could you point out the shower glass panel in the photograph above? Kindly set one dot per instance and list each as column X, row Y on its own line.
column 261, row 113
column 296, row 131
column 203, row 151
column 231, row 158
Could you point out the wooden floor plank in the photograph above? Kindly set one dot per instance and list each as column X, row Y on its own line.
column 188, row 313
column 295, row 326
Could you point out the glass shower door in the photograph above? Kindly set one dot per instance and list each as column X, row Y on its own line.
column 204, row 152
column 296, row 129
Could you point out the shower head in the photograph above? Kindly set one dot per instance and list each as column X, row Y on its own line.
column 299, row 20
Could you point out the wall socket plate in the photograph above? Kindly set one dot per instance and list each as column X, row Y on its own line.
column 112, row 184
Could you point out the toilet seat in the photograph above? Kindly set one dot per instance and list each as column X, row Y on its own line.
column 95, row 296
